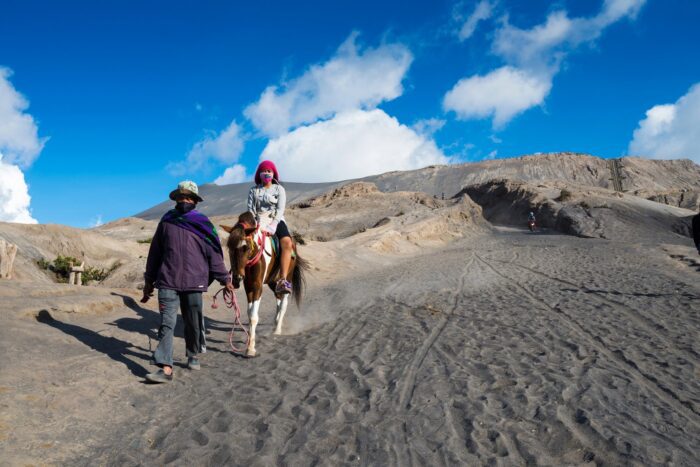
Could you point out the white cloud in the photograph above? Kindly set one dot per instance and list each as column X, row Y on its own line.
column 545, row 45
column 614, row 10
column 234, row 174
column 353, row 144
column 533, row 57
column 19, row 139
column 538, row 47
column 96, row 221
column 14, row 195
column 226, row 147
column 670, row 130
column 351, row 79
column 483, row 11
column 428, row 126
column 501, row 94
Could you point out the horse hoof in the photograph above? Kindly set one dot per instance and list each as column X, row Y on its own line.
column 250, row 353
column 277, row 333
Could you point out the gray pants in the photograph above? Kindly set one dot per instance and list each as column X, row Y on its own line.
column 190, row 304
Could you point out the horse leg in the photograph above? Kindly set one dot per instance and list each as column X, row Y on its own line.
column 281, row 310
column 253, row 308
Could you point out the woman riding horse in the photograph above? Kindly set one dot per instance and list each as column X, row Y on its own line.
column 255, row 261
column 267, row 200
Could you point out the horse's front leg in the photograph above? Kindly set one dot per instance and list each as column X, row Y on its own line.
column 253, row 308
column 281, row 310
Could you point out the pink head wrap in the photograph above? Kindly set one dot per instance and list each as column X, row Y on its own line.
column 266, row 165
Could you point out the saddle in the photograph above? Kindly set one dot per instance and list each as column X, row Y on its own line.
column 275, row 242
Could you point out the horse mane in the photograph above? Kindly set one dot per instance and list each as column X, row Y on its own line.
column 237, row 232
column 246, row 218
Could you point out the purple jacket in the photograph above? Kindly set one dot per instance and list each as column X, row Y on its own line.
column 180, row 260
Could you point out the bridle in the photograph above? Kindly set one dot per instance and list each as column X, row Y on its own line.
column 250, row 239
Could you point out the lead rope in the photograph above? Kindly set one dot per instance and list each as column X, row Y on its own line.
column 231, row 302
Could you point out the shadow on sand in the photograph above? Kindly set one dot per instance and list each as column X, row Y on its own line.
column 148, row 323
column 114, row 348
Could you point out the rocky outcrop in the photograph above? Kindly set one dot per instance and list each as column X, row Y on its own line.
column 580, row 211
column 360, row 206
column 509, row 202
column 8, row 251
column 685, row 199
column 351, row 190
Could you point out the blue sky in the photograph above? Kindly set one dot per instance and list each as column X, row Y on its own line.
column 119, row 101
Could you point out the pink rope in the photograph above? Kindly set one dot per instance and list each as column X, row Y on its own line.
column 231, row 302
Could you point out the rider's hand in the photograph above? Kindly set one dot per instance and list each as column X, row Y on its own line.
column 147, row 292
column 229, row 287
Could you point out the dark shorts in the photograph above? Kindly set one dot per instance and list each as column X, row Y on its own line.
column 282, row 230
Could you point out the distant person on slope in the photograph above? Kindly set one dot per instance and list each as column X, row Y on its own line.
column 696, row 231
column 185, row 257
column 266, row 201
column 531, row 221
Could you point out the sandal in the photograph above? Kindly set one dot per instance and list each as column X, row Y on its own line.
column 159, row 377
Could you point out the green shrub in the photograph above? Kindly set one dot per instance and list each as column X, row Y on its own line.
column 95, row 274
column 61, row 268
column 61, row 265
column 148, row 240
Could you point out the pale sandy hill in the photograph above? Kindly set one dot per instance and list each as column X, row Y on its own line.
column 660, row 175
column 129, row 228
column 354, row 208
column 650, row 177
column 37, row 242
column 579, row 169
column 358, row 217
column 225, row 200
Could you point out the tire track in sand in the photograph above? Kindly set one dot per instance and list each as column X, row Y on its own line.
column 643, row 322
column 683, row 408
column 653, row 329
column 408, row 385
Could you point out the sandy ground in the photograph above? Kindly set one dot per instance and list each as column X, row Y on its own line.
column 507, row 348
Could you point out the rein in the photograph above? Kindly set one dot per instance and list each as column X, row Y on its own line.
column 251, row 242
column 261, row 247
column 231, row 302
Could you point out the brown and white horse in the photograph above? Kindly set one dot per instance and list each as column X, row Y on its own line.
column 255, row 262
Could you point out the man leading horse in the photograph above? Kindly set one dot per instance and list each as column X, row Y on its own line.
column 184, row 258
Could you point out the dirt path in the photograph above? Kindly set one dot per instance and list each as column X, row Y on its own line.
column 511, row 349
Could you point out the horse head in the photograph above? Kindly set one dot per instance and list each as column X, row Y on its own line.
column 241, row 246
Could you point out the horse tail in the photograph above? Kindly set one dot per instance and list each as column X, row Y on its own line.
column 299, row 279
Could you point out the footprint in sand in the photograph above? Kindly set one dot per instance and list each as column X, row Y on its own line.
column 200, row 438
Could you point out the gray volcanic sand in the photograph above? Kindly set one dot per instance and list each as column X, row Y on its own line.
column 506, row 348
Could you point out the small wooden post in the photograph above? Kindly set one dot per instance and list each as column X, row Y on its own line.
column 76, row 274
column 8, row 251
